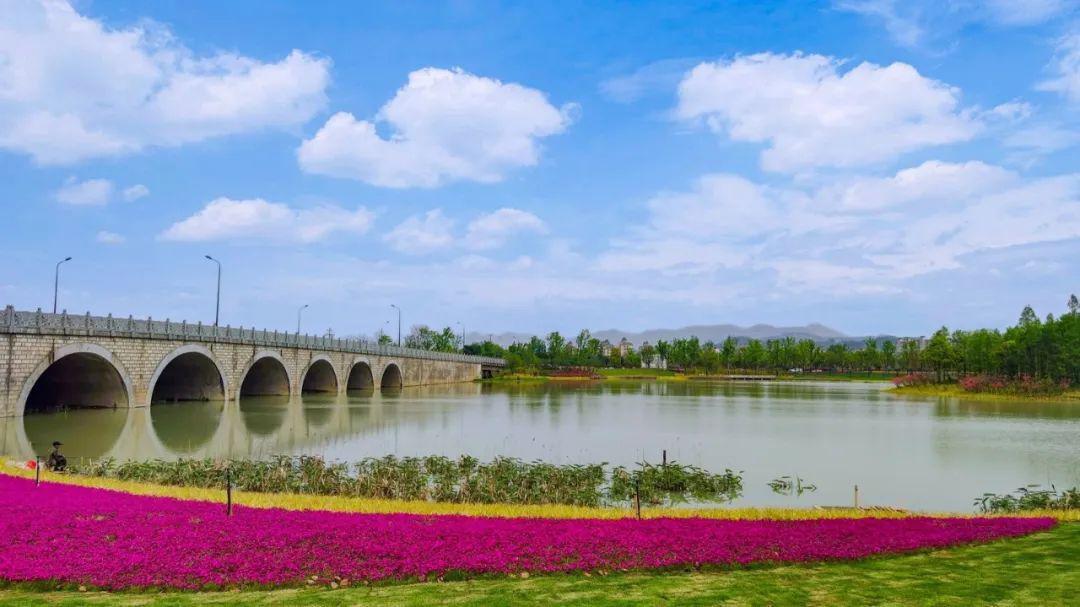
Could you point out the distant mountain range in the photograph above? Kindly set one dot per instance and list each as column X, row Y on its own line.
column 714, row 333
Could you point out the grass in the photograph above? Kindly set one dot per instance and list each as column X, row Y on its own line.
column 955, row 391
column 1036, row 570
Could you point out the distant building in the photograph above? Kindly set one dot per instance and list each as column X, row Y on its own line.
column 606, row 348
column 919, row 341
column 625, row 347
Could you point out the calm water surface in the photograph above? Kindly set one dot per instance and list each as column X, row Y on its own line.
column 933, row 454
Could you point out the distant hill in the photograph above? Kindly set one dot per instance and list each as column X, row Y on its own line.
column 715, row 333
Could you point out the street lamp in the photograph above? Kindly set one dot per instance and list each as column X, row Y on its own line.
column 398, row 324
column 56, row 284
column 298, row 313
column 217, row 305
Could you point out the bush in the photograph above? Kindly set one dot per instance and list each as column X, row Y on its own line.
column 1030, row 498
column 1025, row 385
column 913, row 379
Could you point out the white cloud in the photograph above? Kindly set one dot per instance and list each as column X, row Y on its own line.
column 656, row 76
column 72, row 88
column 905, row 29
column 1026, row 12
column 933, row 183
column 915, row 22
column 1067, row 68
column 135, row 192
column 445, row 125
column 93, row 192
column 106, row 237
column 868, row 235
column 225, row 218
column 811, row 114
column 492, row 230
column 424, row 234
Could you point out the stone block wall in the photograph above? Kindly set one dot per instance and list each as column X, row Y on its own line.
column 24, row 356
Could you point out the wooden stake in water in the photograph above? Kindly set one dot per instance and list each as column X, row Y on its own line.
column 856, row 497
column 228, row 492
column 637, row 496
column 665, row 458
column 37, row 470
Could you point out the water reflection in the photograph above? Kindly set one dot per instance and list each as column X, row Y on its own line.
column 922, row 453
column 263, row 416
column 88, row 432
column 185, row 428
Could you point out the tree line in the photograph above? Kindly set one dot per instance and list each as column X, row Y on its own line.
column 1047, row 349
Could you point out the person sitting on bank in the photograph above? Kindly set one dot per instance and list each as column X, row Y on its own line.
column 57, row 462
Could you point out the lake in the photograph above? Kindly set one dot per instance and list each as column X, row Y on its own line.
column 919, row 453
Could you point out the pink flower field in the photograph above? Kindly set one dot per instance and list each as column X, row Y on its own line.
column 78, row 535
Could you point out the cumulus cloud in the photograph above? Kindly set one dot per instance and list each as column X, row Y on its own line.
column 811, row 113
column 257, row 219
column 445, row 125
column 422, row 234
column 1066, row 67
column 867, row 235
column 492, row 230
column 72, row 88
column 933, row 182
column 92, row 192
column 106, row 237
column 135, row 192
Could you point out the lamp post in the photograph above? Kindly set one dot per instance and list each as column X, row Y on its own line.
column 217, row 304
column 298, row 313
column 56, row 284
column 398, row 323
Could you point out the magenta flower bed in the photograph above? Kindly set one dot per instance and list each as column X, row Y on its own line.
column 114, row 540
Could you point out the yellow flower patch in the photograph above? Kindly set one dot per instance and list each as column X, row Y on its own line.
column 293, row 501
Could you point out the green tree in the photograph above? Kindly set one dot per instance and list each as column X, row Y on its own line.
column 648, row 355
column 888, row 355
column 938, row 354
column 728, row 351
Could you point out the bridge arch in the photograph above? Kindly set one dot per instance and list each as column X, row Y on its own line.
column 360, row 376
column 266, row 374
column 319, row 375
column 188, row 373
column 391, row 376
column 76, row 372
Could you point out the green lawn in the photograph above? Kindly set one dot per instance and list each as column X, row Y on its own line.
column 1043, row 569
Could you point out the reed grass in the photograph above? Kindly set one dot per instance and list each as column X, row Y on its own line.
column 464, row 480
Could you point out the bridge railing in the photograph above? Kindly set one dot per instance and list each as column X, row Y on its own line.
column 43, row 323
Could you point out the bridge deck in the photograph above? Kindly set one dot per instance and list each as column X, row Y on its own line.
column 13, row 321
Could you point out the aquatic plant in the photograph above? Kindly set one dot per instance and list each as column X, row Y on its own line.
column 115, row 540
column 463, row 480
column 787, row 485
column 1031, row 497
column 673, row 482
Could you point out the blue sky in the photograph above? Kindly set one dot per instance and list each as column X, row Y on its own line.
column 878, row 167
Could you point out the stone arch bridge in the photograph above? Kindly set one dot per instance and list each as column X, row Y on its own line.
column 58, row 361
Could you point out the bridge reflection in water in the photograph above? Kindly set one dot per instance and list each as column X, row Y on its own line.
column 255, row 427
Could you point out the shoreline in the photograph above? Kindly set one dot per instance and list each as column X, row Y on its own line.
column 954, row 391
